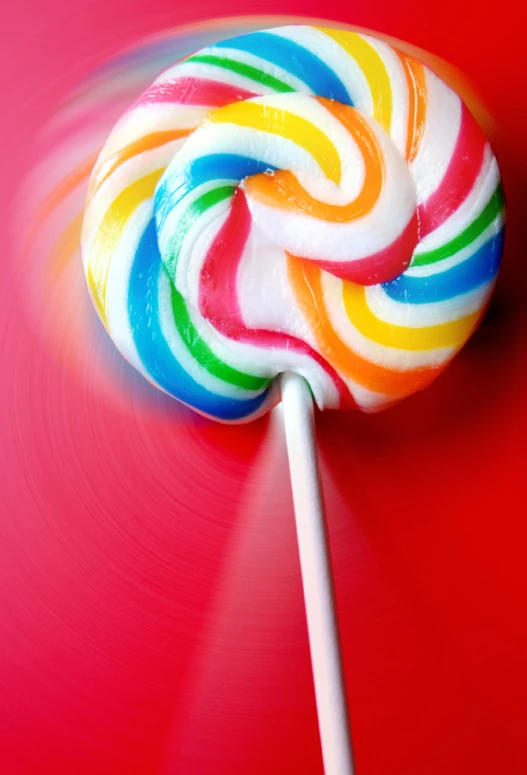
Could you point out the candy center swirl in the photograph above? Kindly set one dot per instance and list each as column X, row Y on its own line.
column 297, row 199
column 321, row 182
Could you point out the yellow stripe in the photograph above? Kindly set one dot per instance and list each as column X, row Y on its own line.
column 452, row 334
column 109, row 233
column 280, row 122
column 373, row 68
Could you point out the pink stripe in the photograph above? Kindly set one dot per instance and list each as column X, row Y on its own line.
column 459, row 179
column 218, row 299
column 381, row 267
column 194, row 91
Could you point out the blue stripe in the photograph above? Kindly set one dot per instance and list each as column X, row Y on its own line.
column 224, row 166
column 153, row 349
column 294, row 59
column 480, row 268
column 220, row 166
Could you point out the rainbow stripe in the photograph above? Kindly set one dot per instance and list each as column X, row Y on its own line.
column 298, row 198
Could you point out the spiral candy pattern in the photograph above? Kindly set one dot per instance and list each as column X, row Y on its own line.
column 298, row 198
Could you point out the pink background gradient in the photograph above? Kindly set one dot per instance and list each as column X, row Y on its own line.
column 151, row 615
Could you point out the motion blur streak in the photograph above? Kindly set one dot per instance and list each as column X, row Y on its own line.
column 258, row 602
column 151, row 614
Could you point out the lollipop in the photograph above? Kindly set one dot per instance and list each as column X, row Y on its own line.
column 305, row 201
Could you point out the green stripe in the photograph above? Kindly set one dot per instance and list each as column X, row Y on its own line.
column 202, row 353
column 197, row 347
column 242, row 69
column 189, row 218
column 472, row 232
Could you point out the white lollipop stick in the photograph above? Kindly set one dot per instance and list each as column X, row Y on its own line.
column 317, row 579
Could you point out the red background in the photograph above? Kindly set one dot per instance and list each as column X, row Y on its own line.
column 151, row 618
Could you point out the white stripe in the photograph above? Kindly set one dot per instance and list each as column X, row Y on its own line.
column 204, row 71
column 182, row 354
column 189, row 262
column 306, row 236
column 388, row 357
column 399, row 87
column 431, row 314
column 443, row 120
column 244, row 57
column 469, row 209
column 334, row 56
column 264, row 289
column 368, row 400
column 123, row 176
column 438, row 267
column 146, row 119
column 118, row 282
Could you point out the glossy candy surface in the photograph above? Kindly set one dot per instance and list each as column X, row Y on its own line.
column 300, row 198
column 151, row 616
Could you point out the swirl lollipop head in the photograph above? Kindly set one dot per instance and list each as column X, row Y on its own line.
column 298, row 199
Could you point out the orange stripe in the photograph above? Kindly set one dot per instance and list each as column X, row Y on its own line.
column 417, row 98
column 305, row 278
column 283, row 190
column 146, row 143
